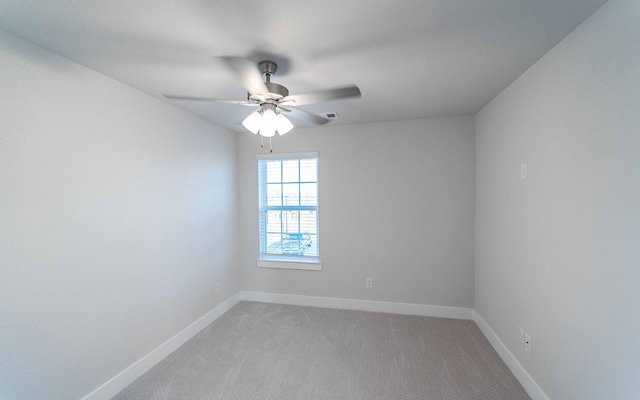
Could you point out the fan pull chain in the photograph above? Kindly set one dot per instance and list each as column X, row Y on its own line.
column 262, row 143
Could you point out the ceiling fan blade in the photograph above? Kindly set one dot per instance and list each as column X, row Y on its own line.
column 304, row 115
column 196, row 98
column 248, row 74
column 321, row 96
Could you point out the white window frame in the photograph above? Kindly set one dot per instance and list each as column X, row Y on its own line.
column 309, row 263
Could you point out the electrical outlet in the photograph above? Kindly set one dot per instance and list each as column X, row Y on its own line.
column 527, row 343
column 217, row 287
column 521, row 336
column 369, row 283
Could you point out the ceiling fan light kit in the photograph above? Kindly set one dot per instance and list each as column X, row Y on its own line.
column 267, row 121
column 272, row 98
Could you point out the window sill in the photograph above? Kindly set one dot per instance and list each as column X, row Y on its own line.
column 305, row 265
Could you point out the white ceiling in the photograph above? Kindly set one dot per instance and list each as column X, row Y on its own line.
column 410, row 58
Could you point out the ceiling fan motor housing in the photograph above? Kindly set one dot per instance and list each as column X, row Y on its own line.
column 276, row 92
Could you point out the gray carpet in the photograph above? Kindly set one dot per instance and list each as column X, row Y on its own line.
column 277, row 352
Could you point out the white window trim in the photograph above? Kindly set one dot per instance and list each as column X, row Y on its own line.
column 290, row 264
column 286, row 156
column 275, row 262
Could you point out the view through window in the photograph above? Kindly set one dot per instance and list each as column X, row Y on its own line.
column 288, row 191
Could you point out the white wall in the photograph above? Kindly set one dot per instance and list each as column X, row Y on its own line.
column 559, row 253
column 117, row 216
column 396, row 204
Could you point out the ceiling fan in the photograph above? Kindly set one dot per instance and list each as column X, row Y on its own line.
column 272, row 98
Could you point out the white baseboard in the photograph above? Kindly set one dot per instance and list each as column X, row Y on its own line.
column 527, row 382
column 363, row 305
column 137, row 369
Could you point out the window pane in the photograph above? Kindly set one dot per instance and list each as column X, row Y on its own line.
column 290, row 171
column 274, row 194
column 290, row 224
column 296, row 244
column 273, row 223
column 308, row 194
column 309, row 170
column 290, row 194
column 308, row 222
column 312, row 248
column 273, row 243
column 273, row 171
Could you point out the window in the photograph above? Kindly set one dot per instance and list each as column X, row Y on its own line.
column 288, row 210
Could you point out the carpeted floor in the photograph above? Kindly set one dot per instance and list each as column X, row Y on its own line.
column 277, row 352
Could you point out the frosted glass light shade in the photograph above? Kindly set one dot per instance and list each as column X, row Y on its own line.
column 253, row 121
column 267, row 122
column 284, row 125
column 266, row 132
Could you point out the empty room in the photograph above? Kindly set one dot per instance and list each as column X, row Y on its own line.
column 359, row 200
